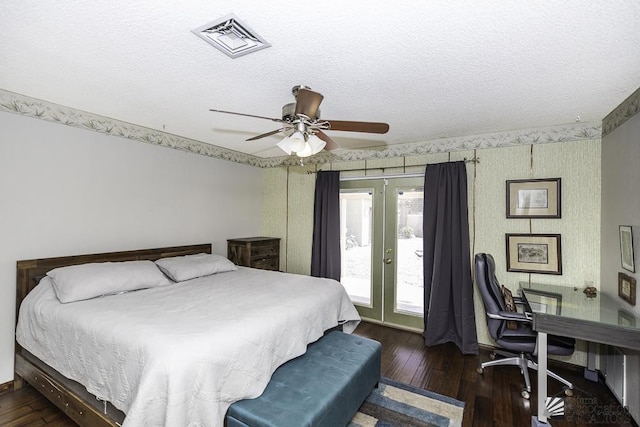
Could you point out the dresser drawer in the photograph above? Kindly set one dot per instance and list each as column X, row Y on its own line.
column 265, row 263
column 266, row 250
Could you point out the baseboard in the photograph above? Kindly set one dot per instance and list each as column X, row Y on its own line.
column 8, row 386
column 392, row 325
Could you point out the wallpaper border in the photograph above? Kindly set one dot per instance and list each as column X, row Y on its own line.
column 623, row 112
column 43, row 110
column 560, row 133
column 38, row 109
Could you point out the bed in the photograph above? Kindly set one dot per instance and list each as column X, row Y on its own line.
column 176, row 354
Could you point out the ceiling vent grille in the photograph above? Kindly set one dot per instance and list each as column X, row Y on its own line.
column 231, row 36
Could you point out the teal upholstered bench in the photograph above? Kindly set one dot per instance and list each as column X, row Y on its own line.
column 322, row 388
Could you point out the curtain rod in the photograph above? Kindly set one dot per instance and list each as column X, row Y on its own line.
column 401, row 175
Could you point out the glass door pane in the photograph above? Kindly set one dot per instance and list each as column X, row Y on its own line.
column 361, row 205
column 403, row 276
column 355, row 244
column 409, row 268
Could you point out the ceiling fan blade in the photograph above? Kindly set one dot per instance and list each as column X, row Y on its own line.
column 368, row 127
column 308, row 102
column 248, row 115
column 273, row 132
column 331, row 144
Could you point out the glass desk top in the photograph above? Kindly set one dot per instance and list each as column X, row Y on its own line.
column 567, row 310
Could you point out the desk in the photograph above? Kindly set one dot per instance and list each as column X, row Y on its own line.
column 567, row 311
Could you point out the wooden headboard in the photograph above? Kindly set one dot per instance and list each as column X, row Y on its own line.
column 29, row 271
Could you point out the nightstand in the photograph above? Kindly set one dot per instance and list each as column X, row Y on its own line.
column 255, row 252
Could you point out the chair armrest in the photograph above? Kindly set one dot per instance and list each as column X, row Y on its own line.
column 510, row 315
column 519, row 300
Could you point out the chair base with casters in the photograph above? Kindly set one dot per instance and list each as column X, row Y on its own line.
column 524, row 362
column 511, row 329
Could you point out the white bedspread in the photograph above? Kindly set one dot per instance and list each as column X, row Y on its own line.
column 180, row 355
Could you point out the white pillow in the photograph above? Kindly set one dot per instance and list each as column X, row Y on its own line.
column 187, row 267
column 85, row 281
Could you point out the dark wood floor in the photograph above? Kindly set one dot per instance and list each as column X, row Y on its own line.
column 491, row 399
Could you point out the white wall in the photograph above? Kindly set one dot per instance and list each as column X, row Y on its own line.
column 66, row 191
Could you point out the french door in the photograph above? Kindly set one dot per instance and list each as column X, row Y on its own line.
column 381, row 249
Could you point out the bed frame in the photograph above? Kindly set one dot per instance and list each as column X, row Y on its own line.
column 70, row 396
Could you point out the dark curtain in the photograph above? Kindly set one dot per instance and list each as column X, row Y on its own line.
column 325, row 252
column 448, row 288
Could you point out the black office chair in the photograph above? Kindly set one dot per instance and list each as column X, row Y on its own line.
column 519, row 340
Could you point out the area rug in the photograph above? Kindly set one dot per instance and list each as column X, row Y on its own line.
column 393, row 404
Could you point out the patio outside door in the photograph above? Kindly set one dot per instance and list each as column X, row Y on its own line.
column 381, row 249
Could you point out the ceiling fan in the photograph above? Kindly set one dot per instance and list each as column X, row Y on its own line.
column 302, row 118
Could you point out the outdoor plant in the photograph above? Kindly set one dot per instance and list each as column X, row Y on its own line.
column 351, row 242
column 407, row 232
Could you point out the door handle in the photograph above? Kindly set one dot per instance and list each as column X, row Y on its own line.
column 387, row 260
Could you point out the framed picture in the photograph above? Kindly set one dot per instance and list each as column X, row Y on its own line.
column 626, row 248
column 627, row 288
column 626, row 319
column 533, row 198
column 534, row 253
column 544, row 302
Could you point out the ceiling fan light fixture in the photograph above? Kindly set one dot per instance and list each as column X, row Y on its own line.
column 301, row 144
column 285, row 145
column 292, row 143
column 297, row 141
column 305, row 152
column 313, row 146
column 316, row 144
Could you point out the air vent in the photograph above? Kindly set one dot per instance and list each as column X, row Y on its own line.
column 231, row 36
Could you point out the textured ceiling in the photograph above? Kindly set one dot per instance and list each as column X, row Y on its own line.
column 431, row 69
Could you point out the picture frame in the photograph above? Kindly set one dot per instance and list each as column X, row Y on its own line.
column 626, row 248
column 626, row 319
column 534, row 253
column 533, row 198
column 627, row 288
column 544, row 302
